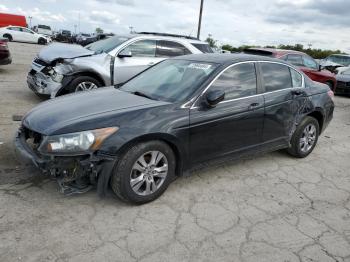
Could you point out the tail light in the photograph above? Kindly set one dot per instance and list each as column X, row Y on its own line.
column 331, row 94
column 3, row 43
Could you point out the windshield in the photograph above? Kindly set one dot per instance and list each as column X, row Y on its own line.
column 106, row 45
column 342, row 60
column 170, row 80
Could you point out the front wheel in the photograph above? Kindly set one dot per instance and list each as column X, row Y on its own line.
column 83, row 83
column 304, row 138
column 41, row 41
column 144, row 172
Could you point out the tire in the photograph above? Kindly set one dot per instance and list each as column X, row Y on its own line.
column 298, row 148
column 79, row 81
column 41, row 41
column 9, row 37
column 124, row 172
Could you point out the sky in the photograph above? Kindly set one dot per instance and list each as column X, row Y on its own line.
column 322, row 23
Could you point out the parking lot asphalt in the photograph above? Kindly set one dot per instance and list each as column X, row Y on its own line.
column 268, row 208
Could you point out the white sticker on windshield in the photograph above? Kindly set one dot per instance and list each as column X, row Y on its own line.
column 199, row 66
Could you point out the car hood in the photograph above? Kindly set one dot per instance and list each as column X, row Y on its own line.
column 84, row 111
column 64, row 51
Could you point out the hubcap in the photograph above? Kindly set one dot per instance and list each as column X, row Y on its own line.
column 148, row 173
column 308, row 138
column 85, row 86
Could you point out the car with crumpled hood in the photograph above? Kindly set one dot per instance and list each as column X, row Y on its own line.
column 63, row 68
column 182, row 112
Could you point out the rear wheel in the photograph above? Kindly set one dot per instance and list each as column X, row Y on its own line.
column 9, row 37
column 144, row 172
column 304, row 138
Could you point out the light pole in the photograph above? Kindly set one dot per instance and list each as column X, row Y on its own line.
column 30, row 21
column 200, row 19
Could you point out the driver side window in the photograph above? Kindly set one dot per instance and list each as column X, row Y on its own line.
column 143, row 48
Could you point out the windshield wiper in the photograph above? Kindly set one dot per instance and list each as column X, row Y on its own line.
column 138, row 93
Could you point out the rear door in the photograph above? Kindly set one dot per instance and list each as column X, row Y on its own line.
column 235, row 123
column 284, row 95
column 143, row 56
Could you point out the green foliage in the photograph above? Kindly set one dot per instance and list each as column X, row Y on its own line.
column 211, row 41
column 315, row 53
column 99, row 30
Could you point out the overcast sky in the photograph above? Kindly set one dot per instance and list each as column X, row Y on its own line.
column 322, row 23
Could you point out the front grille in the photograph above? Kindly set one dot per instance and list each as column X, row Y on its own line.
column 40, row 62
column 32, row 138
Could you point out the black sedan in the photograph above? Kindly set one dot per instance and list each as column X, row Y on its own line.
column 179, row 113
column 5, row 56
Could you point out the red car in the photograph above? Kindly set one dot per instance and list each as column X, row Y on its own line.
column 5, row 56
column 306, row 63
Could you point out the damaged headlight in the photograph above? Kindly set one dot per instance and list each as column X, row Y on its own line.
column 75, row 143
column 57, row 77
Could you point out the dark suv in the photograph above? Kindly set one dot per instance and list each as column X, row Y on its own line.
column 168, row 119
column 306, row 64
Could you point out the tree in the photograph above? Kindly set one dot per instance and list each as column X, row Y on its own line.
column 99, row 30
column 211, row 41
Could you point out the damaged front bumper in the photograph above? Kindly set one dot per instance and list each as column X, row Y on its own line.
column 42, row 84
column 74, row 174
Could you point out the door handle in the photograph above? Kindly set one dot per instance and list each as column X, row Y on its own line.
column 253, row 105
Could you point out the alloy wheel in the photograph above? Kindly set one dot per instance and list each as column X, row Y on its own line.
column 85, row 86
column 308, row 138
column 148, row 173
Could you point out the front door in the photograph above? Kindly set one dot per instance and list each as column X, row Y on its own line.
column 235, row 123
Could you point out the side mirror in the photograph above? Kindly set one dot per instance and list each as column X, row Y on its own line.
column 125, row 53
column 320, row 67
column 215, row 97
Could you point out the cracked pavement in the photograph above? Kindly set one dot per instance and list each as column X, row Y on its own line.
column 270, row 207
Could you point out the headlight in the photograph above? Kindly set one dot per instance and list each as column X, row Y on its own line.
column 57, row 77
column 75, row 143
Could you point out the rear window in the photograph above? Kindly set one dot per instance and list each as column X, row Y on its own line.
column 204, row 48
column 258, row 52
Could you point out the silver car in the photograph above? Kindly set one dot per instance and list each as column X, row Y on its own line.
column 64, row 68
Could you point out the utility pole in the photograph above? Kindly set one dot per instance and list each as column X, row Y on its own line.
column 30, row 21
column 200, row 19
column 131, row 29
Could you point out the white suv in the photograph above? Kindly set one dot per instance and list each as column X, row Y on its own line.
column 64, row 68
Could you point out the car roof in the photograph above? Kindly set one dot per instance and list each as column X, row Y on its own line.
column 226, row 58
column 165, row 37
